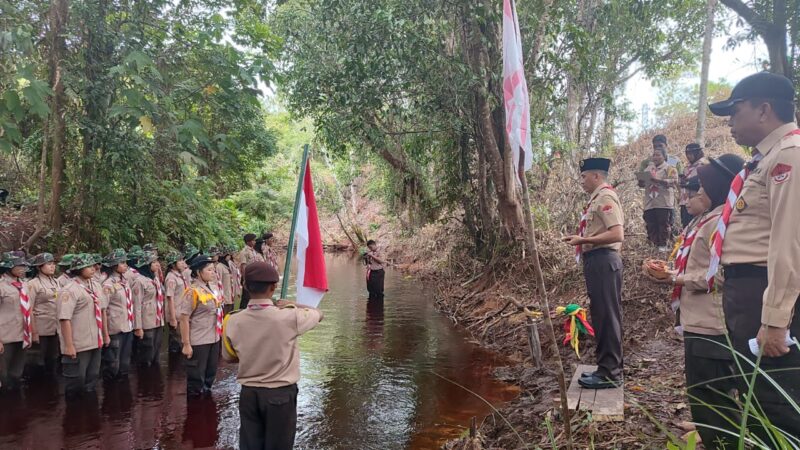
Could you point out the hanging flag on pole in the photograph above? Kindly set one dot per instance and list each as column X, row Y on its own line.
column 515, row 90
column 312, row 278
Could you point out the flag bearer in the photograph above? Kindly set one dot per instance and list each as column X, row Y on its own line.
column 262, row 338
column 81, row 314
column 42, row 290
column 200, row 315
column 175, row 284
column 598, row 242
column 149, row 309
column 122, row 326
column 758, row 244
column 18, row 330
column 709, row 361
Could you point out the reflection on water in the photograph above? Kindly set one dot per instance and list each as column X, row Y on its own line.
column 368, row 383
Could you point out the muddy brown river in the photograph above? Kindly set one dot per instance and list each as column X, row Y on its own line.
column 368, row 382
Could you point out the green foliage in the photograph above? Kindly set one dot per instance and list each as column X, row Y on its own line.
column 678, row 97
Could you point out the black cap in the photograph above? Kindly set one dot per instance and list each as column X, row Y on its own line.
column 692, row 184
column 261, row 272
column 595, row 164
column 716, row 177
column 694, row 147
column 200, row 261
column 764, row 85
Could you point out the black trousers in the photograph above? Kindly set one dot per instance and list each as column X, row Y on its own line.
column 117, row 356
column 81, row 373
column 375, row 284
column 201, row 368
column 50, row 352
column 742, row 302
column 685, row 217
column 710, row 387
column 175, row 340
column 602, row 269
column 12, row 364
column 658, row 222
column 148, row 349
column 268, row 418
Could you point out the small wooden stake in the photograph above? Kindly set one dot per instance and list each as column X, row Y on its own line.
column 473, row 429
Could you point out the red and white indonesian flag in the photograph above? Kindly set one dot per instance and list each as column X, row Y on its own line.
column 515, row 90
column 312, row 279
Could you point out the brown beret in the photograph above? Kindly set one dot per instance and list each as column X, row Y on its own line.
column 261, row 272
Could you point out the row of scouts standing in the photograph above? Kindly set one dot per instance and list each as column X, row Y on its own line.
column 736, row 277
column 100, row 315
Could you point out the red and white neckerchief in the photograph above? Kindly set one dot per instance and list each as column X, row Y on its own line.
column 687, row 238
column 259, row 306
column 236, row 276
column 159, row 301
column 584, row 219
column 98, row 313
column 128, row 300
column 722, row 226
column 25, row 308
column 220, row 289
column 219, row 319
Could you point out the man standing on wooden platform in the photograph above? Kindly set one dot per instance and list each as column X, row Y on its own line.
column 758, row 245
column 597, row 244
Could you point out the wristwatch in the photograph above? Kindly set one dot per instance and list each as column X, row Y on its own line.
column 674, row 279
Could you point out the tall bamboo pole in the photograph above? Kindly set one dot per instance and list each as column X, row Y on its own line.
column 287, row 268
column 703, row 97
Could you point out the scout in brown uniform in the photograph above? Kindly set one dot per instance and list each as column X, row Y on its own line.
column 236, row 275
column 659, row 198
column 696, row 158
column 375, row 271
column 174, row 285
column 598, row 242
column 18, row 331
column 761, row 245
column 223, row 279
column 83, row 329
column 263, row 339
column 149, row 309
column 63, row 265
column 709, row 362
column 190, row 252
column 122, row 325
column 249, row 253
column 200, row 315
column 99, row 275
column 42, row 289
column 268, row 252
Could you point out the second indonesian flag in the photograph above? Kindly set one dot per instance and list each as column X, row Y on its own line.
column 312, row 279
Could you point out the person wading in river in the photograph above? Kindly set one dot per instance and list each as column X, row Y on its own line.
column 149, row 314
column 597, row 244
column 42, row 291
column 122, row 326
column 175, row 284
column 262, row 338
column 201, row 327
column 18, row 330
column 81, row 311
column 375, row 271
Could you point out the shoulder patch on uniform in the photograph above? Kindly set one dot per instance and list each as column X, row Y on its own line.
column 607, row 209
column 780, row 173
column 741, row 204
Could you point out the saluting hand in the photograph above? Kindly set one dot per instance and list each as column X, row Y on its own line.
column 774, row 341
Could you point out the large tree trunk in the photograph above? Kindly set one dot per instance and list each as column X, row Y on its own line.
column 59, row 14
column 703, row 97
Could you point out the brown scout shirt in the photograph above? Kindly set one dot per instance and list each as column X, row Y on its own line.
column 604, row 212
column 264, row 339
column 225, row 274
column 656, row 195
column 76, row 305
column 42, row 290
column 373, row 265
column 689, row 172
column 701, row 312
column 63, row 279
column 763, row 228
column 11, row 323
column 146, row 308
column 202, row 313
column 174, row 285
column 248, row 255
column 236, row 279
column 117, row 312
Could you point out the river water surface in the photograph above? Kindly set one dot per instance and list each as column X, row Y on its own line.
column 369, row 381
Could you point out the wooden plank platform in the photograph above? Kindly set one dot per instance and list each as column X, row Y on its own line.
column 605, row 405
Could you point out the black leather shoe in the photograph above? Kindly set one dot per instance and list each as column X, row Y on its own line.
column 598, row 382
column 587, row 374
